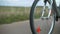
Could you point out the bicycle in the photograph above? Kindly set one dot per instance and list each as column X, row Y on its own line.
column 48, row 14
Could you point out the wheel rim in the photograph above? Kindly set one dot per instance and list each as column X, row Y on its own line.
column 46, row 26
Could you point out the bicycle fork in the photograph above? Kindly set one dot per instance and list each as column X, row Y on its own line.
column 49, row 11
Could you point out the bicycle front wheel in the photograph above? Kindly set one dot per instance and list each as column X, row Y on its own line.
column 40, row 23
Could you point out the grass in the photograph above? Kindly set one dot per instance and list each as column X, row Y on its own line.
column 12, row 18
column 12, row 14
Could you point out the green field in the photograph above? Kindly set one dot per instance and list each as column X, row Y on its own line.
column 10, row 14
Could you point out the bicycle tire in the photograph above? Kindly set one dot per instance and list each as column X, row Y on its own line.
column 31, row 18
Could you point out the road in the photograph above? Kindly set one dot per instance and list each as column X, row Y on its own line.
column 22, row 27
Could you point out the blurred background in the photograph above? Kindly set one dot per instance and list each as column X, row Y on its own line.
column 16, row 10
column 14, row 16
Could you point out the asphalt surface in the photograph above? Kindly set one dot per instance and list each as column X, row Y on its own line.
column 23, row 27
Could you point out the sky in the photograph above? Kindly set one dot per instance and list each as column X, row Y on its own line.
column 20, row 2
